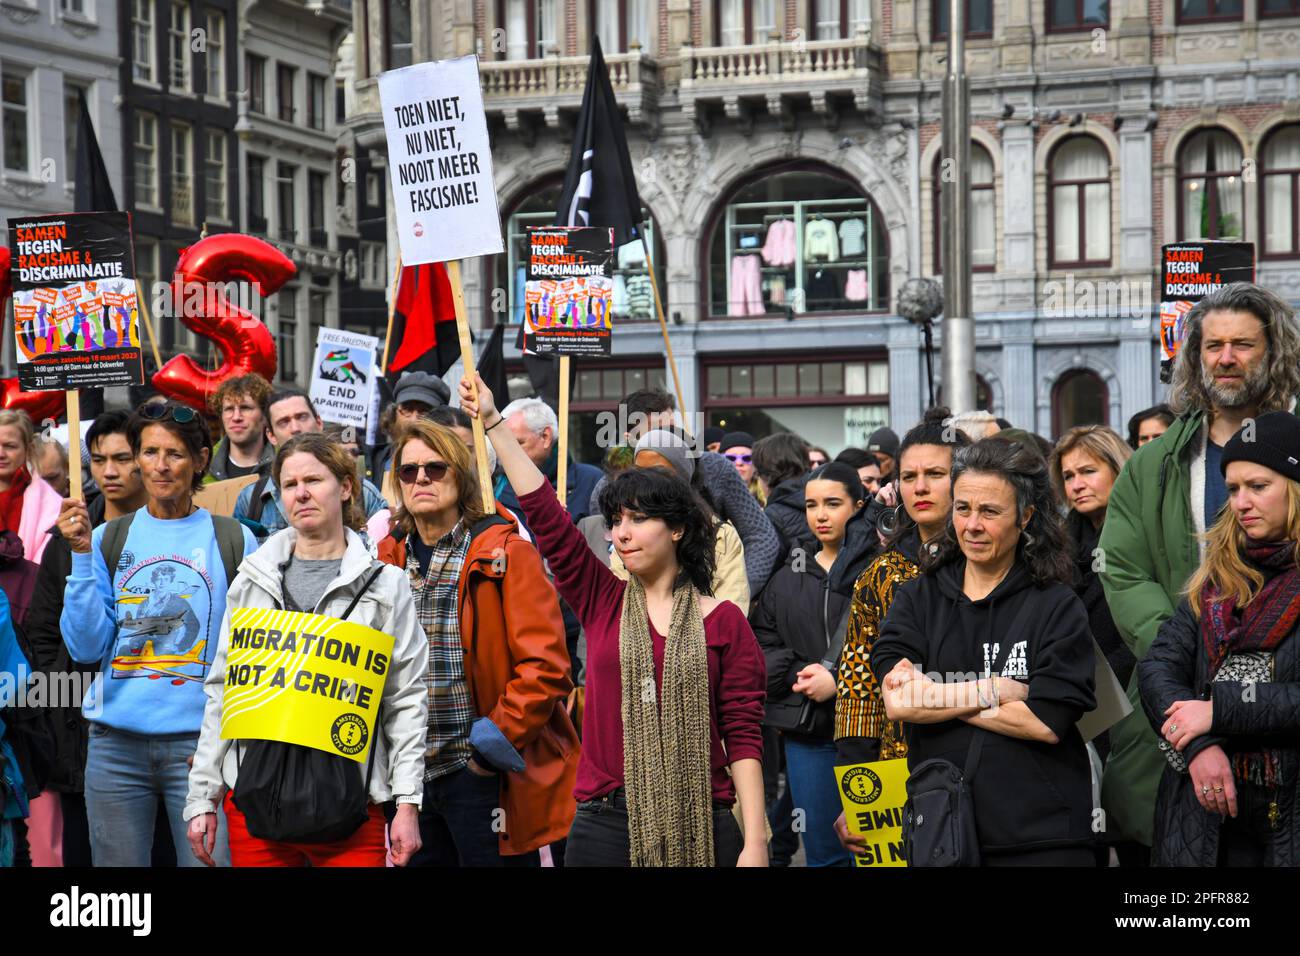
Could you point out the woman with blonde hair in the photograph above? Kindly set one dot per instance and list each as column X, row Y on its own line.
column 1221, row 682
column 29, row 507
column 1084, row 466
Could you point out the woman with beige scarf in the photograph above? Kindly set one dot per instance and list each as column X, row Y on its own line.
column 675, row 678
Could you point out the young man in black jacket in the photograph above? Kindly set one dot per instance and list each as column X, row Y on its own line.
column 118, row 477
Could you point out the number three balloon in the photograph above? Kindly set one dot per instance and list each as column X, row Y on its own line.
column 245, row 342
column 38, row 405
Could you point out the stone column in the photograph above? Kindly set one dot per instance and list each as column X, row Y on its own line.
column 1018, row 216
column 1019, row 381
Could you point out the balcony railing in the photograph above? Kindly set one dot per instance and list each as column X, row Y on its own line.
column 182, row 200
column 556, row 82
column 777, row 62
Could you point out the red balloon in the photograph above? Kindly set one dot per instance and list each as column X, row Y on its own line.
column 246, row 344
column 38, row 405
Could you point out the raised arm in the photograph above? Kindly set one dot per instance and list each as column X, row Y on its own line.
column 88, row 622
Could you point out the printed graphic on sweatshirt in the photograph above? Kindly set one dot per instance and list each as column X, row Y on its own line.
column 164, row 611
column 1017, row 665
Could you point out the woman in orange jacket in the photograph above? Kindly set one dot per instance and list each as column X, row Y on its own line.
column 501, row 754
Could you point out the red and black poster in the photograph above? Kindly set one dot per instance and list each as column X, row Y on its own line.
column 76, row 314
column 569, row 293
column 1189, row 272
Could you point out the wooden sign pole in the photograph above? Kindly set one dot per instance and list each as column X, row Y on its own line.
column 663, row 327
column 562, row 459
column 74, row 443
column 148, row 324
column 467, row 358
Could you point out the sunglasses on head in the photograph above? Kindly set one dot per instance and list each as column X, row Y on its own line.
column 433, row 471
column 743, row 459
column 157, row 412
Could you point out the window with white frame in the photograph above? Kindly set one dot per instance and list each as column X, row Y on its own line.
column 146, row 159
column 216, row 55
column 214, row 174
column 79, row 8
column 17, row 122
column 178, row 46
column 182, row 185
column 745, row 22
column 286, row 200
column 374, row 265
column 620, row 23
column 840, row 19
column 532, row 27
column 142, row 40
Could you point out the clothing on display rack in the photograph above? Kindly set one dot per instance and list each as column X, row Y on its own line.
column 820, row 241
column 774, row 286
column 748, row 240
column 823, row 290
column 779, row 249
column 619, row 304
column 640, row 297
column 746, row 286
column 631, row 255
column 853, row 233
column 855, row 286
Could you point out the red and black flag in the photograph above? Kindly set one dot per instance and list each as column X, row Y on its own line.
column 424, row 324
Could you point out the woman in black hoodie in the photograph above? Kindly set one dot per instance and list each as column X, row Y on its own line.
column 987, row 655
column 798, row 619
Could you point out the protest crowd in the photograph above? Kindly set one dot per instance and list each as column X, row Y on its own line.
column 1085, row 651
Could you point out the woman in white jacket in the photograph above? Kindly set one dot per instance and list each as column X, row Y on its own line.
column 319, row 564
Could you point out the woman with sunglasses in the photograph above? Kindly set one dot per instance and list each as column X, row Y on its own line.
column 675, row 689
column 145, row 601
column 499, row 739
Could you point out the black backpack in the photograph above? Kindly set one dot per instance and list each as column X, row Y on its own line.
column 289, row 793
column 230, row 542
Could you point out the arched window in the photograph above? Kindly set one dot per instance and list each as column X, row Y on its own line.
column 535, row 206
column 799, row 240
column 1078, row 203
column 983, row 222
column 1079, row 398
column 1279, row 179
column 1211, row 195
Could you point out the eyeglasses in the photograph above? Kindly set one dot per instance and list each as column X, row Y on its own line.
column 433, row 471
column 743, row 459
column 157, row 412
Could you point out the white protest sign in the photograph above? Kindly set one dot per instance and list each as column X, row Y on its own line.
column 343, row 376
column 440, row 162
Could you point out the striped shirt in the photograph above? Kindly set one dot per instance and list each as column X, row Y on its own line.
column 435, row 587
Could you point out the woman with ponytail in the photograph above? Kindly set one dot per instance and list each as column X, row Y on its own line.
column 675, row 677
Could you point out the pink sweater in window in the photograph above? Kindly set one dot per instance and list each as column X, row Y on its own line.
column 737, row 674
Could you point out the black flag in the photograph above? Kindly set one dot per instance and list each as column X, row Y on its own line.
column 93, row 193
column 492, row 365
column 94, row 190
column 599, row 188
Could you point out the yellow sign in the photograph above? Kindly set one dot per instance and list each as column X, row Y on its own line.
column 873, row 795
column 304, row 679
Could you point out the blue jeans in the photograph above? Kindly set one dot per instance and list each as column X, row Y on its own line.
column 126, row 775
column 810, row 773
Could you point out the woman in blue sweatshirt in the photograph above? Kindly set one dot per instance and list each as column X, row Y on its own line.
column 152, row 627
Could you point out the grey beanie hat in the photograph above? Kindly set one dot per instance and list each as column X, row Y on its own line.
column 671, row 446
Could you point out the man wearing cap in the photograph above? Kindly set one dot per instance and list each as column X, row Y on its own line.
column 415, row 395
column 712, row 438
column 883, row 443
column 1239, row 359
column 289, row 412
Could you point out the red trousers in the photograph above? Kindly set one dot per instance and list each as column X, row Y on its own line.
column 364, row 848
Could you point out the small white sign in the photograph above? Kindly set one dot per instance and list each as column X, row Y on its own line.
column 343, row 376
column 440, row 162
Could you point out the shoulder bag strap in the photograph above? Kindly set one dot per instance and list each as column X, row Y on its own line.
column 113, row 542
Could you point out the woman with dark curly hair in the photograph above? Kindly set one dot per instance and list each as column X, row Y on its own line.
column 675, row 677
column 989, row 651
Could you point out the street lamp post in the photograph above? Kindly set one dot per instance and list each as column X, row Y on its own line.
column 958, row 325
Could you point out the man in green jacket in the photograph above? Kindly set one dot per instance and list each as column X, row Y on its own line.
column 1240, row 357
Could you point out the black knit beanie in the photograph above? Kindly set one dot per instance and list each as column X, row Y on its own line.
column 1271, row 440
